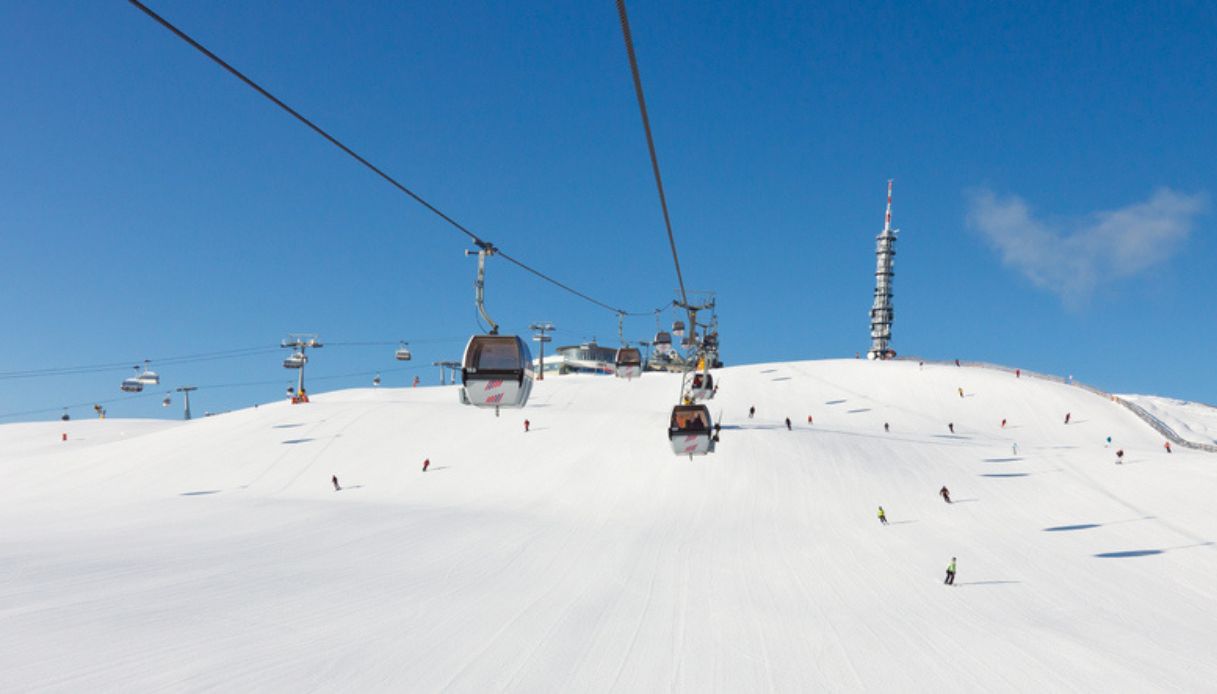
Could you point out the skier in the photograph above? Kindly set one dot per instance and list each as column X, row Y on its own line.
column 1120, row 457
column 751, row 412
column 1003, row 424
column 526, row 425
column 945, row 494
column 1108, row 444
column 1068, row 415
column 956, row 362
column 920, row 366
column 415, row 382
column 1018, row 373
column 809, row 419
column 1168, row 446
column 887, row 429
column 1014, row 448
column 950, row 580
column 951, row 426
column 882, row 516
column 426, row 464
column 334, row 479
column 961, row 392
column 788, row 424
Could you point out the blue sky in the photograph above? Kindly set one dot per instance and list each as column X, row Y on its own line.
column 1053, row 167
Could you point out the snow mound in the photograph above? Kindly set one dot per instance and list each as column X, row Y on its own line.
column 1192, row 421
column 584, row 556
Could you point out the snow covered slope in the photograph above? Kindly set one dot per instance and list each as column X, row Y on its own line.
column 1192, row 421
column 584, row 556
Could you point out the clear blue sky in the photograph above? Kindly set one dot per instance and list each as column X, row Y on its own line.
column 1053, row 163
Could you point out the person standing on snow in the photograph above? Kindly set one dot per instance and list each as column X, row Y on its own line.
column 882, row 516
column 951, row 426
column 1108, row 444
column 788, row 424
column 751, row 412
column 809, row 419
column 426, row 464
column 945, row 494
column 1068, row 415
column 1003, row 424
column 961, row 392
column 1120, row 457
column 1018, row 373
column 1168, row 446
column 526, row 425
column 334, row 479
column 887, row 429
column 950, row 579
column 1014, row 448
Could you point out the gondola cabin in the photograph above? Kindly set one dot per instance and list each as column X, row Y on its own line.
column 132, row 385
column 496, row 372
column 629, row 363
column 678, row 328
column 702, row 386
column 691, row 430
column 403, row 353
column 662, row 342
column 149, row 377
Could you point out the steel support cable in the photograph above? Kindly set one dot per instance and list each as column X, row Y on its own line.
column 354, row 155
column 646, row 126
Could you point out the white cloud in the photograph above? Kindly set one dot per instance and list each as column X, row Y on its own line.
column 1072, row 259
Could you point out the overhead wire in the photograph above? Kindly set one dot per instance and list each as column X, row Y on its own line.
column 646, row 126
column 481, row 243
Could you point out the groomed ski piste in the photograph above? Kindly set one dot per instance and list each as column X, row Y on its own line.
column 583, row 556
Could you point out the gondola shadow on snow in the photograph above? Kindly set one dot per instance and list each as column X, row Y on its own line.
column 959, row 437
column 288, row 426
column 201, row 492
column 858, row 411
column 1088, row 526
column 1131, row 553
column 834, row 402
column 757, row 427
column 295, row 441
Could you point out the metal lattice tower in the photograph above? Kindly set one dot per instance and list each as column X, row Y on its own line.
column 881, row 312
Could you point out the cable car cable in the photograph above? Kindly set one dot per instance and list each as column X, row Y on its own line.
column 370, row 166
column 646, row 126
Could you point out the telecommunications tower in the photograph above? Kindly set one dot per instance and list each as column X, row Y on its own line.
column 881, row 311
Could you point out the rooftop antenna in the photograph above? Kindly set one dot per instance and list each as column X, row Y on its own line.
column 881, row 311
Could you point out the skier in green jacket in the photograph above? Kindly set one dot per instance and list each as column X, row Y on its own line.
column 882, row 516
column 950, row 580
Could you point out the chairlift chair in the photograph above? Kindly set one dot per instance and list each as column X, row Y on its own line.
column 691, row 430
column 133, row 384
column 149, row 377
column 402, row 353
column 496, row 372
column 295, row 360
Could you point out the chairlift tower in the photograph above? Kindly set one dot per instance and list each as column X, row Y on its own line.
column 541, row 338
column 185, row 391
column 881, row 312
column 299, row 344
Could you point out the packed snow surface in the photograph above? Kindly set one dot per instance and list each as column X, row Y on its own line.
column 585, row 556
column 1192, row 421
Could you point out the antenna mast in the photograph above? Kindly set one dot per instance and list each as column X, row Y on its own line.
column 881, row 311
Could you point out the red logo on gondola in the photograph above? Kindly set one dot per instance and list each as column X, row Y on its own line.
column 490, row 385
column 494, row 399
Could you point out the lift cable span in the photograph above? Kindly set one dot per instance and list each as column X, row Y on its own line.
column 369, row 165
